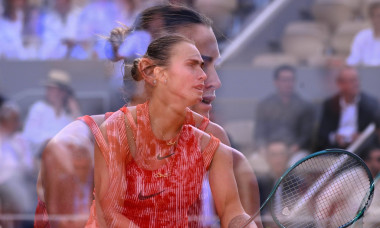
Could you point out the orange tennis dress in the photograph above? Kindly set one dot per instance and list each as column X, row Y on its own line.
column 156, row 186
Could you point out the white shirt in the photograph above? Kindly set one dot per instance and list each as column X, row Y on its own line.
column 98, row 19
column 348, row 119
column 365, row 49
column 11, row 40
column 56, row 29
column 42, row 124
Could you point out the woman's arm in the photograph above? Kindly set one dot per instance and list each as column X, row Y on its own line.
column 66, row 160
column 224, row 190
column 246, row 180
column 108, row 199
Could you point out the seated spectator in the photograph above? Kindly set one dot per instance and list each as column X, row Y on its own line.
column 98, row 19
column 59, row 27
column 346, row 114
column 17, row 171
column 365, row 48
column 278, row 154
column 47, row 117
column 284, row 114
column 12, row 24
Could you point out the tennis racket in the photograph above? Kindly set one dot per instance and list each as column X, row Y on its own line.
column 340, row 199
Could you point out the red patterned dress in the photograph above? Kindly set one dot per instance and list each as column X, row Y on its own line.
column 156, row 186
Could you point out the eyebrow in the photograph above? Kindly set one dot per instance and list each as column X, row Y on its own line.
column 197, row 61
column 207, row 58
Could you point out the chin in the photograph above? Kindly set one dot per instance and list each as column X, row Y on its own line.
column 202, row 109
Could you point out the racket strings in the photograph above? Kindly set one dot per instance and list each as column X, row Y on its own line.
column 344, row 182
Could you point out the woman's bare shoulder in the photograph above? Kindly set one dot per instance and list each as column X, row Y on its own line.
column 212, row 128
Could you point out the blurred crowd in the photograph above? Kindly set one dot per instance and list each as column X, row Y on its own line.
column 21, row 144
column 287, row 126
column 76, row 29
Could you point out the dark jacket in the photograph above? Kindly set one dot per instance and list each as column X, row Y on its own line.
column 368, row 112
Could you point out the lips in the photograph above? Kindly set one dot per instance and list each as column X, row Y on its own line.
column 207, row 99
column 200, row 87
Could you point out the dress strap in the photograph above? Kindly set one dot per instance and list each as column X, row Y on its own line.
column 204, row 124
column 130, row 119
column 107, row 115
column 96, row 132
column 209, row 151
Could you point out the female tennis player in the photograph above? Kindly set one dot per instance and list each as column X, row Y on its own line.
column 59, row 169
column 150, row 168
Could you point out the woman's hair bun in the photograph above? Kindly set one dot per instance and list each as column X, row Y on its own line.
column 135, row 73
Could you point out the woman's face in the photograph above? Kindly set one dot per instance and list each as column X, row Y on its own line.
column 205, row 41
column 184, row 77
column 55, row 96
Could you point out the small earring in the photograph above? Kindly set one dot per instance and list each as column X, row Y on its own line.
column 154, row 82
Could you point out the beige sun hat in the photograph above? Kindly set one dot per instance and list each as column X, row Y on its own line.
column 58, row 78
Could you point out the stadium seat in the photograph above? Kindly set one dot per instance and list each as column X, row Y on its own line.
column 333, row 12
column 241, row 134
column 326, row 61
column 308, row 28
column 302, row 39
column 220, row 11
column 344, row 35
column 274, row 60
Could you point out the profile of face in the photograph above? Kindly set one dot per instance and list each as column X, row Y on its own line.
column 11, row 122
column 285, row 82
column 375, row 18
column 348, row 82
column 205, row 40
column 183, row 79
column 55, row 96
column 277, row 155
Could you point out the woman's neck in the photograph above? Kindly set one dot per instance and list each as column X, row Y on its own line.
column 166, row 118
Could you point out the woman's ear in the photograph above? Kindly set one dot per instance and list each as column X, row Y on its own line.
column 160, row 74
column 147, row 68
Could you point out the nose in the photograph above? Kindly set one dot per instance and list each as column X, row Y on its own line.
column 213, row 80
column 203, row 76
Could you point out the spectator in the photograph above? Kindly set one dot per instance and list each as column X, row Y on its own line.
column 17, row 173
column 346, row 114
column 278, row 155
column 59, row 27
column 11, row 24
column 365, row 49
column 99, row 18
column 47, row 117
column 285, row 114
